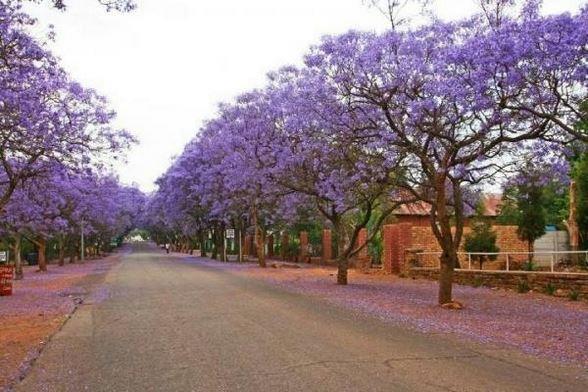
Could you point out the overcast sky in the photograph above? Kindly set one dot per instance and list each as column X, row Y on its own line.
column 166, row 66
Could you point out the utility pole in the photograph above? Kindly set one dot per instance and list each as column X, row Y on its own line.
column 82, row 245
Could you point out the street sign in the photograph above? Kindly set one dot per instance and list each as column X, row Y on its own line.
column 230, row 233
column 3, row 256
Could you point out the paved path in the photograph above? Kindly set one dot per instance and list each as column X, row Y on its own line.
column 173, row 326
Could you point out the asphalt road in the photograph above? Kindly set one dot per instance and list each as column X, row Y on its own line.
column 173, row 326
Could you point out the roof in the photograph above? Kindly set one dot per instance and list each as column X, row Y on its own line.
column 491, row 202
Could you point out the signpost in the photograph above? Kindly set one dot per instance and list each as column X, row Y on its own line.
column 3, row 256
column 231, row 233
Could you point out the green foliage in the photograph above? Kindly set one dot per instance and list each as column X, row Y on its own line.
column 482, row 239
column 550, row 289
column 529, row 266
column 292, row 250
column 523, row 286
column 556, row 202
column 574, row 295
column 376, row 245
column 524, row 206
column 580, row 174
column 532, row 213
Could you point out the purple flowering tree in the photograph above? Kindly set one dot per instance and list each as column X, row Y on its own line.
column 44, row 115
column 69, row 201
column 462, row 102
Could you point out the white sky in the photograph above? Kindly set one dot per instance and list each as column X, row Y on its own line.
column 166, row 66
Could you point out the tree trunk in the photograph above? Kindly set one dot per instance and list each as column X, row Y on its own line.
column 42, row 249
column 445, row 280
column 19, row 274
column 61, row 246
column 572, row 224
column 342, row 256
column 441, row 226
column 72, row 254
column 203, row 243
column 214, row 255
column 342, row 267
column 260, row 244
column 221, row 244
column 237, row 239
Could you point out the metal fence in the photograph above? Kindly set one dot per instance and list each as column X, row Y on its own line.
column 506, row 261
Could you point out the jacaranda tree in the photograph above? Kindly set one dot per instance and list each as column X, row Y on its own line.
column 432, row 114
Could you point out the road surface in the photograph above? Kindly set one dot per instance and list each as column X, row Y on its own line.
column 173, row 326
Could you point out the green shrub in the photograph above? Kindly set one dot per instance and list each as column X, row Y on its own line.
column 529, row 266
column 574, row 295
column 523, row 286
column 478, row 282
column 550, row 289
column 482, row 238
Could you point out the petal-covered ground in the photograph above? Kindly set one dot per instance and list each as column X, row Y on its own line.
column 548, row 327
column 41, row 303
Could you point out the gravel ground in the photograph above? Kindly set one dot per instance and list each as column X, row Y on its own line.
column 547, row 327
column 41, row 303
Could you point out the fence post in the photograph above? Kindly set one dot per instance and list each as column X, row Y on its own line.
column 552, row 261
column 508, row 262
column 469, row 261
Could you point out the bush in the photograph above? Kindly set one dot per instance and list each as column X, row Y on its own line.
column 478, row 282
column 574, row 295
column 550, row 289
column 523, row 286
column 529, row 266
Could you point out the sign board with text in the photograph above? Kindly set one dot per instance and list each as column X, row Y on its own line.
column 230, row 233
column 3, row 256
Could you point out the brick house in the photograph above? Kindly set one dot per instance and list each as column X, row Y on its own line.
column 411, row 231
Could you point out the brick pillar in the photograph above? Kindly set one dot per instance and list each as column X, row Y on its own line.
column 387, row 248
column 405, row 237
column 327, row 245
column 362, row 256
column 303, row 246
column 270, row 246
column 397, row 239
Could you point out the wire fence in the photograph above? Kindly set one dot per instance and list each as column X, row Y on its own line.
column 552, row 261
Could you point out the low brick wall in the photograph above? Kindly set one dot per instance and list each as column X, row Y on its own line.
column 537, row 281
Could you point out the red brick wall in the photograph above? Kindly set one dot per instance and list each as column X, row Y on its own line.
column 399, row 237
column 361, row 240
column 506, row 240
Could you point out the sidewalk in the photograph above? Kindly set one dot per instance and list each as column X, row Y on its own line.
column 41, row 303
column 551, row 328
